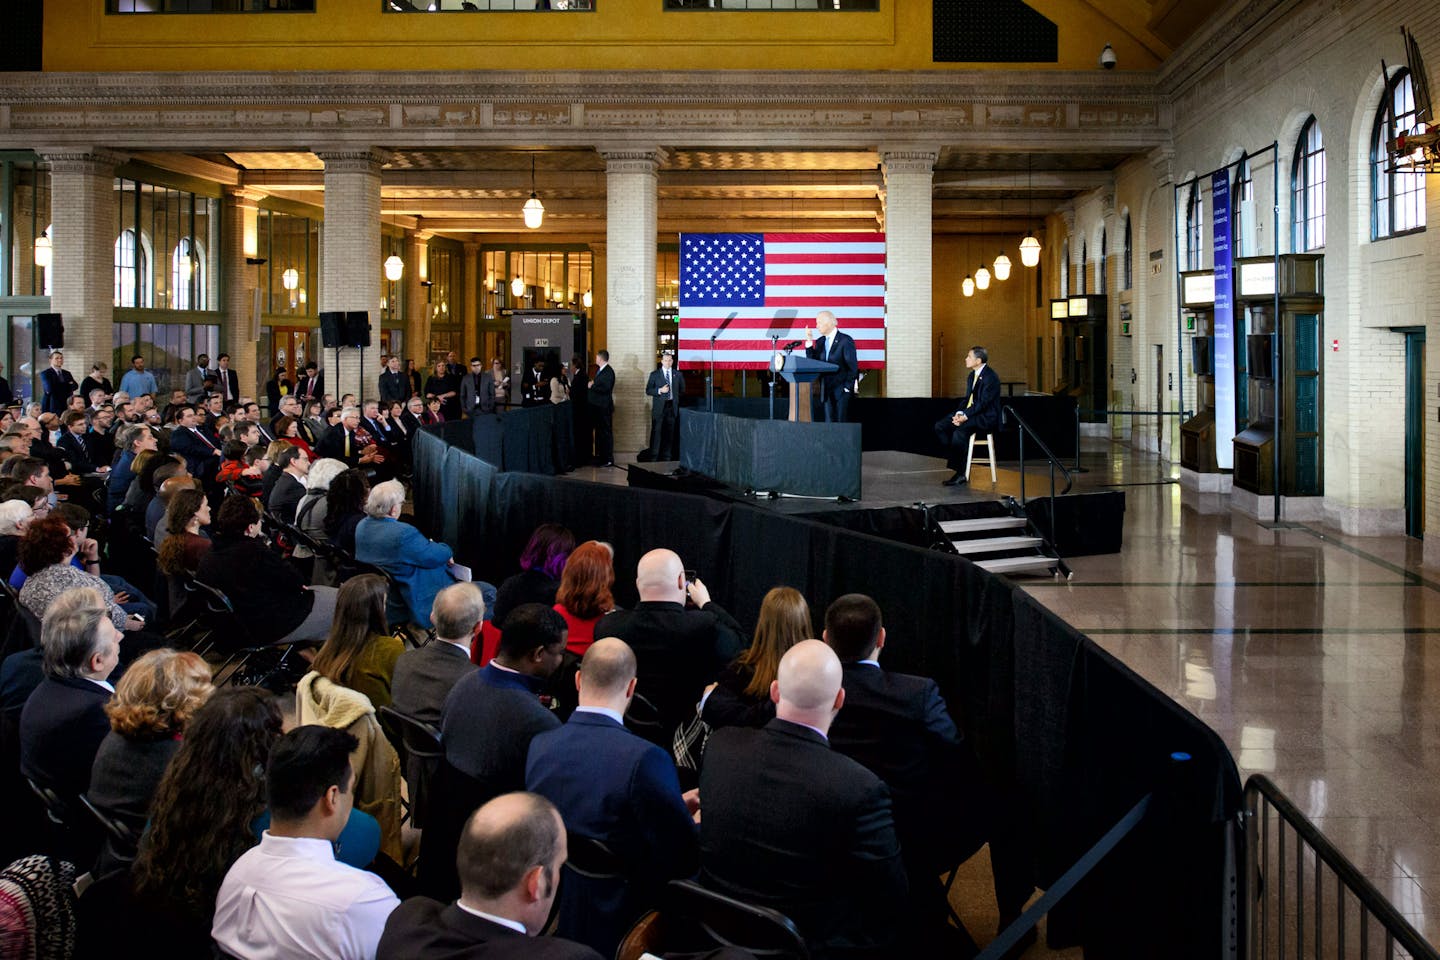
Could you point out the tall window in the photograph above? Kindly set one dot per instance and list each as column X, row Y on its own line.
column 1084, row 267
column 1128, row 271
column 132, row 270
column 1194, row 228
column 187, row 276
column 1065, row 269
column 1307, row 190
column 1100, row 267
column 1399, row 198
column 1242, row 211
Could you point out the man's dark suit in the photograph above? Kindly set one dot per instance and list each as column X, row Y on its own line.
column 198, row 451
column 59, row 388
column 664, row 413
column 612, row 786
column 394, row 387
column 61, row 727
column 332, row 444
column 830, row 395
column 425, row 676
column 311, row 388
column 425, row 929
column 76, row 452
column 981, row 406
column 486, row 726
column 792, row 825
column 679, row 651
column 285, row 497
column 602, row 413
column 222, row 377
column 486, row 399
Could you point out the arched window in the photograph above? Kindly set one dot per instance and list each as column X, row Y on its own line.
column 1194, row 228
column 1399, row 198
column 129, row 265
column 1100, row 267
column 187, row 276
column 1307, row 190
column 1128, row 271
column 1242, row 211
column 1084, row 267
column 1065, row 268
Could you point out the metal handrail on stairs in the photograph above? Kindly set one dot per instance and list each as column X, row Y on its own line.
column 1009, row 411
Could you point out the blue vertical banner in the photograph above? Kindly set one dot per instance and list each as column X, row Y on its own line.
column 1222, row 350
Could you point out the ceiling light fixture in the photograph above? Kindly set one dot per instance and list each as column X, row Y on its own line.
column 394, row 268
column 1002, row 262
column 1029, row 247
column 588, row 299
column 967, row 286
column 290, row 279
column 533, row 210
column 982, row 278
column 517, row 287
column 43, row 250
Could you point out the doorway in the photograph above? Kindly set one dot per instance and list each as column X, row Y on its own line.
column 290, row 348
column 21, row 365
column 1414, row 432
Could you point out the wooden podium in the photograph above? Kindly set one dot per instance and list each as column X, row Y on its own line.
column 801, row 373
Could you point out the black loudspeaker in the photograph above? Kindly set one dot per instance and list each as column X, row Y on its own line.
column 357, row 328
column 50, row 331
column 332, row 323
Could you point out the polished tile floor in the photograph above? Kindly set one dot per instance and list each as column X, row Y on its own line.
column 1312, row 654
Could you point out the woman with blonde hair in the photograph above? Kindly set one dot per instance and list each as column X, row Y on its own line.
column 741, row 697
column 152, row 703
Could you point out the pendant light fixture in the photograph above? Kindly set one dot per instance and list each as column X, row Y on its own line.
column 1029, row 247
column 534, row 210
column 967, row 286
column 43, row 249
column 1002, row 262
column 982, row 278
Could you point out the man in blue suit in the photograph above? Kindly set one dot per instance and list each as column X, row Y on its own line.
column 202, row 455
column 830, row 397
column 616, row 787
column 978, row 411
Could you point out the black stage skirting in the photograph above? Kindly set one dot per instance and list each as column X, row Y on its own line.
column 805, row 459
column 908, row 424
column 1072, row 734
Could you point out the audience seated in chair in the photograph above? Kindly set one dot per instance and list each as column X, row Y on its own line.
column 266, row 592
column 131, row 440
column 509, row 858
column 486, row 726
column 610, row 785
column 289, row 896
column 360, row 653
column 541, row 563
column 64, row 721
column 791, row 825
column 585, row 593
column 680, row 651
column 418, row 565
column 741, row 694
column 169, row 478
column 310, row 517
column 14, row 521
column 152, row 703
column 344, row 509
column 284, row 499
column 183, row 551
column 46, row 552
column 425, row 676
column 899, row 727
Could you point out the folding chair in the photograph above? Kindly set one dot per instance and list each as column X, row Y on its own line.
column 692, row 918
column 418, row 745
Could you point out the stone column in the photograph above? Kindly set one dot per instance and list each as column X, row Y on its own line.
column 85, row 218
column 352, row 275
column 470, row 299
column 598, row 289
column 242, row 328
column 909, row 350
column 630, row 335
column 417, row 299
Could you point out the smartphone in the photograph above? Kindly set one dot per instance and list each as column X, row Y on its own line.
column 689, row 577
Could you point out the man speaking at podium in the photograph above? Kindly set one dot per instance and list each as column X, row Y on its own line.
column 978, row 411
column 830, row 396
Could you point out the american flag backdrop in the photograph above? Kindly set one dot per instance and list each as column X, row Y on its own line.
column 775, row 283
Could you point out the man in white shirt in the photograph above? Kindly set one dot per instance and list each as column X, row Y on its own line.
column 289, row 897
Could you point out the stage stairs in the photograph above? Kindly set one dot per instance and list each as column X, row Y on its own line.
column 1000, row 537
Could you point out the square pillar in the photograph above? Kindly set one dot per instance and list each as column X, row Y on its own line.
column 242, row 327
column 597, row 326
column 631, row 204
column 85, row 217
column 351, row 273
column 417, row 299
column 909, row 350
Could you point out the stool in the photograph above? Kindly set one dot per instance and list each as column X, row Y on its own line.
column 989, row 444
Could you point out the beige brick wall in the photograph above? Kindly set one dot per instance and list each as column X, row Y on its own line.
column 84, row 215
column 241, row 281
column 909, row 344
column 352, row 276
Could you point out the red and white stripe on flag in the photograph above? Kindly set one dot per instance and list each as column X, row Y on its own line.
column 771, row 286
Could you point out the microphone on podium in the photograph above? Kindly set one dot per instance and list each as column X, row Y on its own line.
column 792, row 345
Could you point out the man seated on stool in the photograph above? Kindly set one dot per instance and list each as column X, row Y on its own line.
column 978, row 411
column 509, row 859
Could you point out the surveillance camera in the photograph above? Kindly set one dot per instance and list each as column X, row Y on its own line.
column 1107, row 57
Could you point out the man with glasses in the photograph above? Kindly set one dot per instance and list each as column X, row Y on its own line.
column 294, row 464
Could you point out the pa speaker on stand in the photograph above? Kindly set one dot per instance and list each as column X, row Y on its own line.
column 49, row 331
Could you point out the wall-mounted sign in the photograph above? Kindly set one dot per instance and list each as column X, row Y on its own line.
column 1079, row 306
column 1257, row 278
column 1059, row 309
column 1198, row 289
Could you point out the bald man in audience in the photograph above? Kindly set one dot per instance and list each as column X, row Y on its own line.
column 679, row 649
column 425, row 676
column 792, row 825
column 509, row 860
column 613, row 786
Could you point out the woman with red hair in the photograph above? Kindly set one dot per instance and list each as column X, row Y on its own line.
column 584, row 595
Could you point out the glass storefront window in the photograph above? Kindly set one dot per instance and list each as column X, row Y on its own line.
column 169, row 349
column 291, row 246
column 29, row 217
column 165, row 245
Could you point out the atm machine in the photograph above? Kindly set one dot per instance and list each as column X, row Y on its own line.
column 552, row 336
column 1298, row 329
column 1197, row 435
